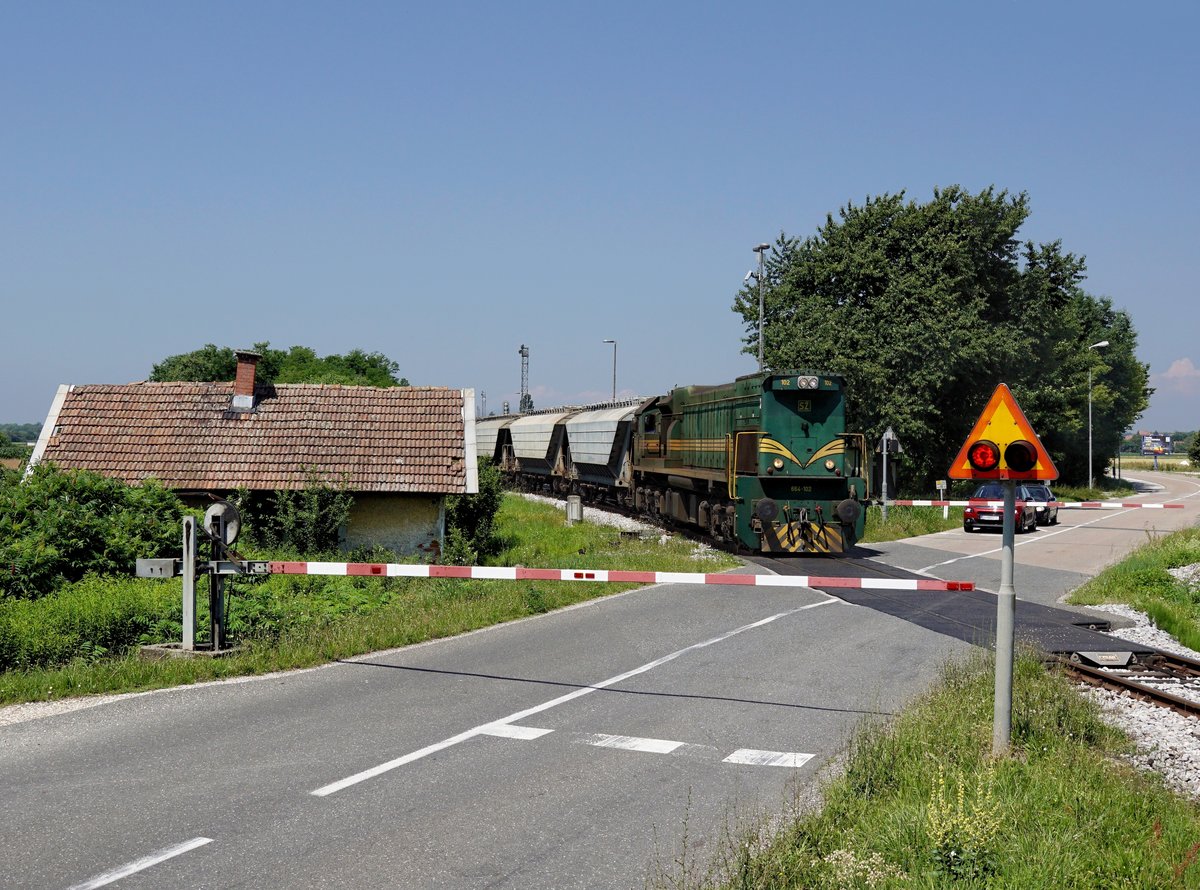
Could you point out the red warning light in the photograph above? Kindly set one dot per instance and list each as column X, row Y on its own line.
column 983, row 455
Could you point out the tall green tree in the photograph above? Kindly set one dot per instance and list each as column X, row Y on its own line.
column 300, row 364
column 925, row 307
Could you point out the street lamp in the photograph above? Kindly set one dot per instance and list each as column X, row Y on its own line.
column 614, row 345
column 1099, row 345
column 760, row 250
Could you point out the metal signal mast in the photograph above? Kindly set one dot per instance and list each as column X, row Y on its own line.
column 526, row 403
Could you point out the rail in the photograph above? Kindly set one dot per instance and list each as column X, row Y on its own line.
column 1159, row 667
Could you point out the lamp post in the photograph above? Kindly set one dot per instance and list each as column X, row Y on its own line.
column 761, row 250
column 1099, row 345
column 614, row 346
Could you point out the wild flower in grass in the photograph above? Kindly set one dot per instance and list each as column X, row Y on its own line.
column 845, row 869
column 963, row 829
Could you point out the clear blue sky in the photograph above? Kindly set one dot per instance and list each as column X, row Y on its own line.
column 445, row 182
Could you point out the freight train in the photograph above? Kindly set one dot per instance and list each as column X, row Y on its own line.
column 762, row 463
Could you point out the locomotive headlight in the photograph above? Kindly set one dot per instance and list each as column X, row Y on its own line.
column 830, row 465
column 778, row 463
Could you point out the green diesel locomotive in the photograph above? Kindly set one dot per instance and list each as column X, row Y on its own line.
column 762, row 463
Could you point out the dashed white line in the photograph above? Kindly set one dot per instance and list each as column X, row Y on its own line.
column 490, row 728
column 508, row 731
column 631, row 743
column 749, row 756
column 142, row 864
column 768, row 758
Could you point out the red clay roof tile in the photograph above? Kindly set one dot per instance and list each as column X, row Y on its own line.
column 399, row 439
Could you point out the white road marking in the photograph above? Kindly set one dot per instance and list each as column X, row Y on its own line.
column 1042, row 536
column 142, row 864
column 632, row 743
column 768, row 758
column 749, row 756
column 508, row 731
column 374, row 771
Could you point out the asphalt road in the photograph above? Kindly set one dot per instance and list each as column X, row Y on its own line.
column 584, row 748
column 1054, row 560
column 575, row 749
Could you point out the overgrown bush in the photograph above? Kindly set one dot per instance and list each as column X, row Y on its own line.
column 60, row 525
column 471, row 519
column 89, row 619
column 306, row 520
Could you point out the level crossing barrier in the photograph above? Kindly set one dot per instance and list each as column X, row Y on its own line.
column 1062, row 505
column 520, row 573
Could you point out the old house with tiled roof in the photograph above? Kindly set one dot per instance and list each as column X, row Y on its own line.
column 399, row 450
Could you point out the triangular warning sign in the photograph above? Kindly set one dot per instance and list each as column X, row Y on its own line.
column 1002, row 424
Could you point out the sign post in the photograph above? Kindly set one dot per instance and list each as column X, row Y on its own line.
column 1003, row 446
column 889, row 443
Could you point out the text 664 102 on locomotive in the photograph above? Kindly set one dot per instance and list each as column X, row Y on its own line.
column 763, row 462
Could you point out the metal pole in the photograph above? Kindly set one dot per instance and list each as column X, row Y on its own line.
column 614, row 388
column 884, row 491
column 1006, row 611
column 216, row 589
column 1099, row 345
column 760, row 250
column 1089, row 428
column 189, row 583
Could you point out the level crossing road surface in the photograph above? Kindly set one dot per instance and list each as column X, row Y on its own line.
column 566, row 750
column 1055, row 559
column 1060, row 558
column 575, row 749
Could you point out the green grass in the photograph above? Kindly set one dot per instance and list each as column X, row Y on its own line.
column 1104, row 489
column 921, row 803
column 74, row 642
column 1142, row 581
column 1167, row 463
column 908, row 522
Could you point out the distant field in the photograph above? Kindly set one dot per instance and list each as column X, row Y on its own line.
column 1169, row 463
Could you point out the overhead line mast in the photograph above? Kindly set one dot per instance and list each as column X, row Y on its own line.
column 526, row 403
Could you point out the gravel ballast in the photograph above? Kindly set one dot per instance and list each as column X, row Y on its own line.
column 1167, row 742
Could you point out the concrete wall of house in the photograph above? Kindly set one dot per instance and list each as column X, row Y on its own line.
column 408, row 524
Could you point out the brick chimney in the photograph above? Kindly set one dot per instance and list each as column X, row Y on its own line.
column 243, row 384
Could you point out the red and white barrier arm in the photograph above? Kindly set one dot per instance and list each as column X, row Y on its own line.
column 519, row 573
column 1062, row 505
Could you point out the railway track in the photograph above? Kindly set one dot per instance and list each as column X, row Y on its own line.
column 1162, row 678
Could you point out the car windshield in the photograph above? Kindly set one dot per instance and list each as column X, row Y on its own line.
column 989, row 492
column 1040, row 493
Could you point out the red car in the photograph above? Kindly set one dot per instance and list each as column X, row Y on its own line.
column 979, row 514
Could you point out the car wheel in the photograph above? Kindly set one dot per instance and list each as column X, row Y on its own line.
column 1054, row 520
column 968, row 528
